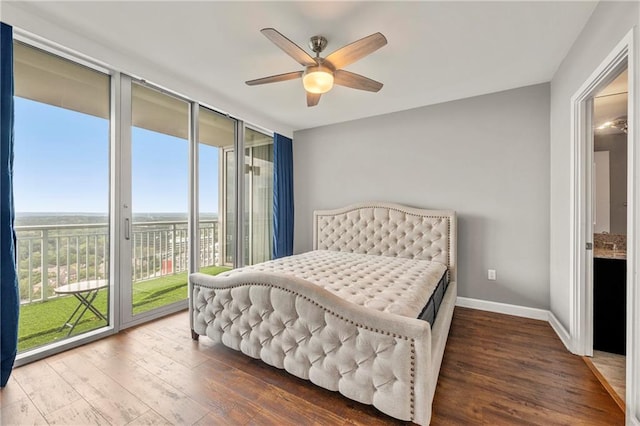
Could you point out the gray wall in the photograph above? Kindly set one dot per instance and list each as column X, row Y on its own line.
column 617, row 146
column 486, row 157
column 608, row 24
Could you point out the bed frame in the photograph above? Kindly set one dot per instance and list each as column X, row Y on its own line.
column 372, row 357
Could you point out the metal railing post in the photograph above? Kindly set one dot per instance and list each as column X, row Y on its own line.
column 58, row 261
column 44, row 264
column 173, row 248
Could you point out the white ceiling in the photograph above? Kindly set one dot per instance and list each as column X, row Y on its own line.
column 436, row 52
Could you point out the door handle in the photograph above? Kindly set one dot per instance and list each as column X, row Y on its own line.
column 127, row 229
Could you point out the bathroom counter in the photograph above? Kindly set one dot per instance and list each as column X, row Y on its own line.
column 606, row 253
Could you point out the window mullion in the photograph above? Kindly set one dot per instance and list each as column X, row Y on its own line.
column 239, row 163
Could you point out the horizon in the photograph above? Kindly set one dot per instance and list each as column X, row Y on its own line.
column 104, row 213
column 46, row 219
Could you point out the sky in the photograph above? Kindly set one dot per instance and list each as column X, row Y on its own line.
column 61, row 164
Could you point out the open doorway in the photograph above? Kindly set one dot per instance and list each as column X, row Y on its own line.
column 610, row 174
column 583, row 212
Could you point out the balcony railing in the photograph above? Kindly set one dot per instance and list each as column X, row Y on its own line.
column 65, row 254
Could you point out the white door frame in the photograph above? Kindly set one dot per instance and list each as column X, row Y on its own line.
column 581, row 285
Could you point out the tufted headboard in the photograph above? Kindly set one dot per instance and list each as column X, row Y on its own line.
column 388, row 229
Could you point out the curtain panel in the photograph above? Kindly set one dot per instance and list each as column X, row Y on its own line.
column 282, row 196
column 9, row 297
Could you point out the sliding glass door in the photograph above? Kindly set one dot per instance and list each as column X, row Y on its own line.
column 258, row 197
column 61, row 189
column 257, row 212
column 158, row 231
column 216, row 196
column 121, row 190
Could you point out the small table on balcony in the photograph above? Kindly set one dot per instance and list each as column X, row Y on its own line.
column 85, row 292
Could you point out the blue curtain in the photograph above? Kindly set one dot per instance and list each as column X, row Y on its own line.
column 282, row 196
column 9, row 297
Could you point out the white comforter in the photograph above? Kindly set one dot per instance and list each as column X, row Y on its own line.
column 389, row 284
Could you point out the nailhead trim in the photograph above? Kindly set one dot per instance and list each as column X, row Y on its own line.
column 412, row 381
column 413, row 350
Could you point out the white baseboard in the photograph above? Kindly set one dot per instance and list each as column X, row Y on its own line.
column 520, row 311
column 562, row 332
column 503, row 308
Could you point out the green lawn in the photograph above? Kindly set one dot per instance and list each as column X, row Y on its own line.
column 40, row 322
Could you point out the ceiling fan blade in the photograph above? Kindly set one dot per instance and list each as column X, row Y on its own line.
column 275, row 78
column 313, row 99
column 356, row 50
column 289, row 47
column 355, row 81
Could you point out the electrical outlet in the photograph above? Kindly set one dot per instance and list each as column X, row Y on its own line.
column 491, row 275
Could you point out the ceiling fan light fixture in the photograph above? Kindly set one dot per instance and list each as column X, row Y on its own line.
column 317, row 79
column 320, row 74
column 619, row 123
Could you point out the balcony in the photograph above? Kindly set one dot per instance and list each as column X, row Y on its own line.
column 70, row 253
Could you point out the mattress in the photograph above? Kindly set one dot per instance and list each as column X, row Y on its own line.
column 408, row 287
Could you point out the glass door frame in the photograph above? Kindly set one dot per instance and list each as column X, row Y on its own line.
column 120, row 215
column 223, row 182
column 239, row 163
column 126, row 316
column 113, row 325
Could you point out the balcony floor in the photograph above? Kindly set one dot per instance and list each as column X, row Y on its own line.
column 40, row 322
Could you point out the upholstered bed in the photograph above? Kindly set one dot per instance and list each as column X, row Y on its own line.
column 366, row 312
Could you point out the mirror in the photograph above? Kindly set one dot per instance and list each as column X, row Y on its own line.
column 610, row 157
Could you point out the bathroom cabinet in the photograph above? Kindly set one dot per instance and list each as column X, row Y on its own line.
column 609, row 305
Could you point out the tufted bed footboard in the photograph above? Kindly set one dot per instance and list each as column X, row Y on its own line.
column 389, row 361
column 369, row 356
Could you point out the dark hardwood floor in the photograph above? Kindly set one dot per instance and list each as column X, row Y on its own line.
column 497, row 369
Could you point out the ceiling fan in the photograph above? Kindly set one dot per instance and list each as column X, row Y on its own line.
column 320, row 74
